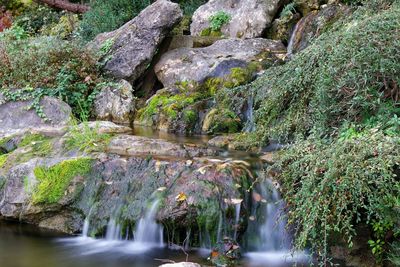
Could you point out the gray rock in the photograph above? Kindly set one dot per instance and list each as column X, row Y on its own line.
column 16, row 118
column 217, row 60
column 129, row 145
column 105, row 127
column 133, row 46
column 115, row 103
column 249, row 18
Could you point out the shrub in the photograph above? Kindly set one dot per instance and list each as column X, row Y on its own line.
column 50, row 66
column 106, row 15
column 190, row 6
column 35, row 17
column 331, row 186
column 318, row 90
column 5, row 19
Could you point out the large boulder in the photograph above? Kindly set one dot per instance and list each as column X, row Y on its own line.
column 313, row 25
column 130, row 49
column 115, row 103
column 248, row 18
column 18, row 116
column 217, row 60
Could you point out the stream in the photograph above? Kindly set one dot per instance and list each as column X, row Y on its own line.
column 265, row 242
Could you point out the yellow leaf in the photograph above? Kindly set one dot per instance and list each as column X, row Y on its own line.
column 181, row 197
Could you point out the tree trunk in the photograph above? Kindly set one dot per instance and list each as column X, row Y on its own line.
column 65, row 5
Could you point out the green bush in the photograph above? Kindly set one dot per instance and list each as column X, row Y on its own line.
column 332, row 186
column 106, row 15
column 35, row 17
column 48, row 66
column 190, row 6
column 348, row 74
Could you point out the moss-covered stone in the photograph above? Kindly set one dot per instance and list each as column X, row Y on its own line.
column 54, row 181
column 210, row 32
column 221, row 121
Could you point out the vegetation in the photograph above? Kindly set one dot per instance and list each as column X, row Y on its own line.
column 316, row 92
column 105, row 16
column 86, row 138
column 218, row 20
column 54, row 181
column 47, row 66
column 340, row 113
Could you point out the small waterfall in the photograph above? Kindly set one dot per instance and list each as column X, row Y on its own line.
column 86, row 224
column 148, row 230
column 250, row 124
column 237, row 217
column 85, row 229
column 267, row 231
column 292, row 40
column 267, row 238
column 113, row 231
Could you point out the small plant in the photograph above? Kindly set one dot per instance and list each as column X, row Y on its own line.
column 218, row 20
column 288, row 10
column 86, row 138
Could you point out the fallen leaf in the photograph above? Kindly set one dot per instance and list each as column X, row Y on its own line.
column 181, row 197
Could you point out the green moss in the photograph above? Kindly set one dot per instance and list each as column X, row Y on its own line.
column 31, row 139
column 171, row 106
column 211, row 33
column 3, row 160
column 54, row 181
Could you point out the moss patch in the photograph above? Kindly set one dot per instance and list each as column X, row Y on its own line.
column 54, row 181
column 3, row 160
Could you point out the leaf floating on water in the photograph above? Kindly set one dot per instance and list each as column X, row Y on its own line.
column 257, row 197
column 181, row 197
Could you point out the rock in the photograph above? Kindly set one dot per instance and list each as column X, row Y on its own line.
column 115, row 103
column 307, row 6
column 16, row 118
column 181, row 264
column 105, row 127
column 129, row 145
column 268, row 157
column 217, row 60
column 249, row 18
column 282, row 28
column 132, row 47
column 312, row 25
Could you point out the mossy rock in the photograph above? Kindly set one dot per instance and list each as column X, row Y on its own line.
column 221, row 121
column 54, row 181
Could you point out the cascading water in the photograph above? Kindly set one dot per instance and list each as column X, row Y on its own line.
column 148, row 235
column 148, row 230
column 267, row 238
column 250, row 124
